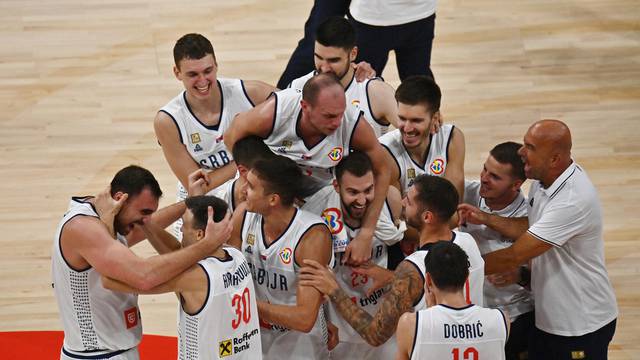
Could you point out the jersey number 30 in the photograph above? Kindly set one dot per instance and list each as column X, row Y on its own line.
column 468, row 354
column 242, row 303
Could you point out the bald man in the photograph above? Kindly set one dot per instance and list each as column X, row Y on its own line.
column 576, row 308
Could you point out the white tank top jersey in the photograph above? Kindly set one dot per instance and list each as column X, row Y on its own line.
column 376, row 12
column 96, row 321
column 316, row 161
column 225, row 192
column 436, row 161
column 275, row 275
column 227, row 325
column 514, row 299
column 357, row 94
column 473, row 289
column 204, row 142
column 472, row 332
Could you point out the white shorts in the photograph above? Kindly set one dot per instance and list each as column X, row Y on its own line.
column 131, row 354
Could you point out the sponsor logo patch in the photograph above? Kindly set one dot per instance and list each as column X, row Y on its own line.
column 131, row 317
column 224, row 348
column 197, row 148
column 333, row 218
column 437, row 166
column 335, row 154
column 411, row 173
column 251, row 239
column 195, row 138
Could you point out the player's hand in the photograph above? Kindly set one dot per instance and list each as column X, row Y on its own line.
column 381, row 276
column 505, row 279
column 107, row 207
column 217, row 233
column 198, row 183
column 471, row 214
column 319, row 276
column 364, row 71
column 333, row 339
column 358, row 251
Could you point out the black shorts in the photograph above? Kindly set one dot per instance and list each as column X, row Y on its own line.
column 545, row 346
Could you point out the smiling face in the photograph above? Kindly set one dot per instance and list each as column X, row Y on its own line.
column 411, row 209
column 136, row 210
column 414, row 124
column 197, row 76
column 535, row 154
column 356, row 193
column 497, row 180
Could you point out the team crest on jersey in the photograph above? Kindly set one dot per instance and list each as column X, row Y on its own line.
column 197, row 148
column 335, row 154
column 333, row 218
column 286, row 255
column 251, row 239
column 225, row 348
column 411, row 173
column 437, row 166
column 131, row 317
column 195, row 138
column 355, row 102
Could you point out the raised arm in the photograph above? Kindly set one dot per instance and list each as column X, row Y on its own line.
column 509, row 227
column 191, row 280
column 383, row 103
column 454, row 171
column 257, row 121
column 236, row 234
column 315, row 245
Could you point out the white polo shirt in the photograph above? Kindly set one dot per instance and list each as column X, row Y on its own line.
column 571, row 287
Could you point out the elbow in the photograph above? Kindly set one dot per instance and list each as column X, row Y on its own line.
column 306, row 326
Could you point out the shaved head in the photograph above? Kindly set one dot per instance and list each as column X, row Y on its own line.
column 326, row 83
column 553, row 133
column 546, row 152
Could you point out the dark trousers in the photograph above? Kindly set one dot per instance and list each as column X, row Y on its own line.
column 411, row 42
column 519, row 336
column 545, row 346
column 301, row 61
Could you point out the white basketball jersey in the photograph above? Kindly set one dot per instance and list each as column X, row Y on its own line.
column 225, row 192
column 436, row 159
column 275, row 275
column 96, row 321
column 469, row 333
column 227, row 325
column 473, row 290
column 357, row 94
column 316, row 161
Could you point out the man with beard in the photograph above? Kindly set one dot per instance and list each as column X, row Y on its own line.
column 101, row 323
column 334, row 50
column 498, row 192
column 343, row 206
column 413, row 147
column 429, row 206
column 316, row 129
column 276, row 238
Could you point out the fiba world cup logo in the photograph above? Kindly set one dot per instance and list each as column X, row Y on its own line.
column 335, row 154
column 332, row 217
column 437, row 166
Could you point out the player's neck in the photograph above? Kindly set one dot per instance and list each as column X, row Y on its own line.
column 451, row 299
column 219, row 253
column 277, row 222
column 308, row 132
column 352, row 222
column 204, row 107
column 434, row 233
column 501, row 202
column 348, row 77
column 238, row 194
column 419, row 153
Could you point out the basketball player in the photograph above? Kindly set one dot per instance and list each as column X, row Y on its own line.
column 498, row 192
column 217, row 298
column 99, row 322
column 343, row 205
column 189, row 128
column 450, row 328
column 334, row 51
column 415, row 150
column 316, row 129
column 429, row 206
column 576, row 309
column 276, row 237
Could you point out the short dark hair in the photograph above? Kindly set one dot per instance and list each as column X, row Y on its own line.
column 281, row 176
column 420, row 90
column 250, row 149
column 336, row 31
column 133, row 180
column 192, row 46
column 315, row 84
column 356, row 163
column 199, row 206
column 448, row 265
column 507, row 153
column 437, row 195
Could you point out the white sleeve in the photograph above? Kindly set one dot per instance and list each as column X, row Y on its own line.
column 559, row 223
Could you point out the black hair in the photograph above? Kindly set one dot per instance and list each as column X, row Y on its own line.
column 356, row 163
column 437, row 195
column 315, row 84
column 199, row 208
column 420, row 90
column 448, row 266
column 192, row 46
column 133, row 180
column 281, row 176
column 336, row 31
column 250, row 149
column 507, row 153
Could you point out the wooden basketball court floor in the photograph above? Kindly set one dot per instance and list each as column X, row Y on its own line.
column 80, row 82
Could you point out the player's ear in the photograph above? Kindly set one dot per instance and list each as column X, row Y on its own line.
column 353, row 54
column 336, row 186
column 176, row 72
column 242, row 170
column 118, row 195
